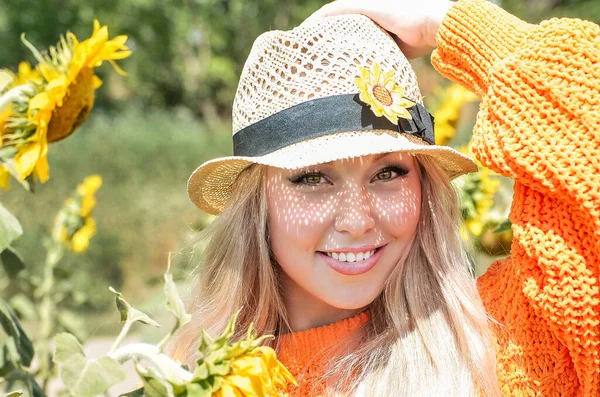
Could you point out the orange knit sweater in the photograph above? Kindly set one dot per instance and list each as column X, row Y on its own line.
column 539, row 124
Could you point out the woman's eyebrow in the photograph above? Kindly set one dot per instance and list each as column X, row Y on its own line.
column 380, row 156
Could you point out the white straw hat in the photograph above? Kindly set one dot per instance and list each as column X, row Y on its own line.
column 331, row 89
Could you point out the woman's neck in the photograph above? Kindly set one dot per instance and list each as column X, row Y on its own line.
column 305, row 311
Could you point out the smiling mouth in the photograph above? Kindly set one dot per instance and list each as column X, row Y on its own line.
column 352, row 263
column 351, row 256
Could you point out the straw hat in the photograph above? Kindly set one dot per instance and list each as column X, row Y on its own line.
column 331, row 89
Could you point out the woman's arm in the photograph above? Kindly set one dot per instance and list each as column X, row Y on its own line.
column 539, row 124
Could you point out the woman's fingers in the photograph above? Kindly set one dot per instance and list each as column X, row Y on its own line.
column 340, row 7
column 414, row 24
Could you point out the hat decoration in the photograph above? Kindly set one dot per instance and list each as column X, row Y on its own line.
column 383, row 94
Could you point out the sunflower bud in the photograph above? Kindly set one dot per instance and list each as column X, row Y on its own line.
column 73, row 226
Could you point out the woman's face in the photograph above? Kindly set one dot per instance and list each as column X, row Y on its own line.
column 338, row 229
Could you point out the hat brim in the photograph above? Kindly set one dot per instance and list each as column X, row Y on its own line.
column 210, row 185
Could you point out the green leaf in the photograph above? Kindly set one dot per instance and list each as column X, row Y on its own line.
column 154, row 384
column 12, row 262
column 73, row 323
column 7, row 359
column 136, row 393
column 226, row 336
column 22, row 380
column 6, row 78
column 17, row 393
column 10, row 228
column 504, row 226
column 7, row 152
column 129, row 313
column 199, row 390
column 83, row 377
column 35, row 389
column 12, row 328
column 23, row 306
column 174, row 302
column 201, row 371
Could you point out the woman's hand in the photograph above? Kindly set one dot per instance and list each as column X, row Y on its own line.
column 414, row 22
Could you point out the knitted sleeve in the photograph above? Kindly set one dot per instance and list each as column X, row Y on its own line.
column 539, row 124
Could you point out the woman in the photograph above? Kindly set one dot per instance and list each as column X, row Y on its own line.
column 338, row 226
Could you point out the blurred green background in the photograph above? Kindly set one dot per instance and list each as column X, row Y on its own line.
column 150, row 130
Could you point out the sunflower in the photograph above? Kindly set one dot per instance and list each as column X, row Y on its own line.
column 256, row 374
column 239, row 369
column 479, row 189
column 380, row 91
column 74, row 225
column 54, row 99
column 450, row 100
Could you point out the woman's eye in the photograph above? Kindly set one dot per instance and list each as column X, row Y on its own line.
column 385, row 175
column 390, row 173
column 311, row 179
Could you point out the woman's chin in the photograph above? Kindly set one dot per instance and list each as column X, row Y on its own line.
column 350, row 301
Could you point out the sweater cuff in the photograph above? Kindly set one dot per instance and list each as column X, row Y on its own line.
column 474, row 35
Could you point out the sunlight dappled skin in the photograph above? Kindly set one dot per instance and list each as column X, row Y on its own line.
column 365, row 204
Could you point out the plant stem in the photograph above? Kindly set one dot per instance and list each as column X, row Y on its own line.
column 47, row 311
column 13, row 94
column 121, row 336
column 164, row 365
column 168, row 336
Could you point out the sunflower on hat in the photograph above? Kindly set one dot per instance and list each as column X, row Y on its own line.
column 47, row 103
column 380, row 91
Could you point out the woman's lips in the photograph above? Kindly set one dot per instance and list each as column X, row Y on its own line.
column 353, row 268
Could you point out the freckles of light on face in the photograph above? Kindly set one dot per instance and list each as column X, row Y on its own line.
column 367, row 207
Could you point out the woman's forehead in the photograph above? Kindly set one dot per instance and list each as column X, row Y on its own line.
column 365, row 161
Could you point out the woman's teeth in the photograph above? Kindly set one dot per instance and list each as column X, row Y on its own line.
column 350, row 256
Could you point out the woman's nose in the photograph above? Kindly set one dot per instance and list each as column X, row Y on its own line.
column 354, row 215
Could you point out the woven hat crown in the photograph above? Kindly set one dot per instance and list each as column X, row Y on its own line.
column 297, row 105
column 315, row 60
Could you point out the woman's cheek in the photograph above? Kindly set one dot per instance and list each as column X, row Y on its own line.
column 302, row 218
column 398, row 210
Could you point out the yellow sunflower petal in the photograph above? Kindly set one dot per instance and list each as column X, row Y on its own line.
column 389, row 80
column 376, row 72
column 4, row 115
column 48, row 71
column 399, row 99
column 6, row 79
column 39, row 101
column 400, row 112
column 366, row 97
column 26, row 159
column 4, row 178
column 96, row 26
column 42, row 171
column 97, row 82
column 73, row 39
column 91, row 184
column 117, row 68
column 244, row 385
column 377, row 109
column 360, row 84
column 81, row 238
column 399, row 89
column 365, row 74
column 227, row 390
column 390, row 115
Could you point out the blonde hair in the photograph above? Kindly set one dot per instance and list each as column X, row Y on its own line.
column 428, row 334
